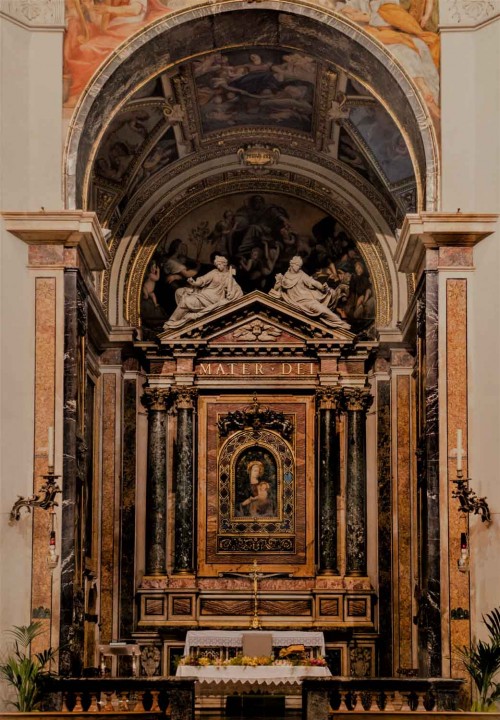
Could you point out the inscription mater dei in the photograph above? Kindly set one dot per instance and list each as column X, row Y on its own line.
column 266, row 369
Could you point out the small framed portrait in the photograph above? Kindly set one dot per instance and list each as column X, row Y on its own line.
column 256, row 484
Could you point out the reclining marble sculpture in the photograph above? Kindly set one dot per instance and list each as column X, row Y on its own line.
column 307, row 295
column 205, row 294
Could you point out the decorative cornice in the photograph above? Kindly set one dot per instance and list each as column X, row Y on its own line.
column 356, row 399
column 35, row 14
column 467, row 13
column 70, row 228
column 156, row 399
column 424, row 231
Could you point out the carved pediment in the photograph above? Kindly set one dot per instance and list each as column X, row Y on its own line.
column 256, row 320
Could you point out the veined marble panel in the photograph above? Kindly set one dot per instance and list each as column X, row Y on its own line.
column 45, row 350
column 456, row 354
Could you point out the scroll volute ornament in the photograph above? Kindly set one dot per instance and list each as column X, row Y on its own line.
column 156, row 398
column 357, row 399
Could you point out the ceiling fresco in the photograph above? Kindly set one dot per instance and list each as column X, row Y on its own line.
column 259, row 86
column 283, row 100
column 95, row 29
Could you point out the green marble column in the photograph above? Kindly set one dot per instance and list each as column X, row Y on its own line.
column 328, row 477
column 356, row 403
column 184, row 481
column 156, row 485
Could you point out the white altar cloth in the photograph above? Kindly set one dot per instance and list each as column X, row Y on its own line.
column 234, row 639
column 246, row 678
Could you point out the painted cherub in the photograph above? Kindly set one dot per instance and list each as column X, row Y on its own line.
column 148, row 289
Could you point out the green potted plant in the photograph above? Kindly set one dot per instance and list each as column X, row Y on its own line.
column 25, row 671
column 482, row 662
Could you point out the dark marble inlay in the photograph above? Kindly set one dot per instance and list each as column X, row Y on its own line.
column 329, row 469
column 156, row 494
column 71, row 655
column 428, row 591
column 184, row 489
column 384, row 526
column 127, row 518
column 356, row 493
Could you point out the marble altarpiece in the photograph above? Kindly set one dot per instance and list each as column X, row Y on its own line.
column 256, row 418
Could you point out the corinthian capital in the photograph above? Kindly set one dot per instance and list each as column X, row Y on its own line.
column 356, row 398
column 184, row 397
column 329, row 398
column 156, row 398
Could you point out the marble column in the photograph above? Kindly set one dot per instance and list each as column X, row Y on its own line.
column 184, row 481
column 356, row 402
column 329, row 478
column 69, row 661
column 156, row 400
column 429, row 613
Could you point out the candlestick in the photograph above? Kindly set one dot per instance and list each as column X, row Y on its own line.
column 459, row 450
column 50, row 452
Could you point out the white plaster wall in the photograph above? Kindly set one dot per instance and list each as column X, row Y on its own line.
column 30, row 177
column 16, row 432
column 471, row 181
column 30, row 118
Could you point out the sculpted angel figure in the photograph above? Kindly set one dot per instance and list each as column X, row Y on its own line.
column 204, row 294
column 306, row 294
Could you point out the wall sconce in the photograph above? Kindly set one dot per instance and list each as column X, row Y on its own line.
column 468, row 499
column 45, row 499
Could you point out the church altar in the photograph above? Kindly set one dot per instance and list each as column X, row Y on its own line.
column 195, row 639
column 283, row 679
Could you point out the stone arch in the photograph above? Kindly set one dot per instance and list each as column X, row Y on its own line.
column 126, row 69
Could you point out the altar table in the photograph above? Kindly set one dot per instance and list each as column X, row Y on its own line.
column 282, row 679
column 313, row 641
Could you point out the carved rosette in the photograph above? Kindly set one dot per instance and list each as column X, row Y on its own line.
column 329, row 398
column 156, row 399
column 184, row 398
column 356, row 399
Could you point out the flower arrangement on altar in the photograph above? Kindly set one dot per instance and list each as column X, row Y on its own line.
column 293, row 655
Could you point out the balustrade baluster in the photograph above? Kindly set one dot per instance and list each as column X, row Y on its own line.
column 390, row 698
column 65, row 703
column 405, row 707
column 397, row 701
column 108, row 705
column 420, row 704
column 155, row 707
column 139, row 706
column 123, row 703
column 374, row 702
column 343, row 707
column 78, row 708
column 357, row 704
column 93, row 707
